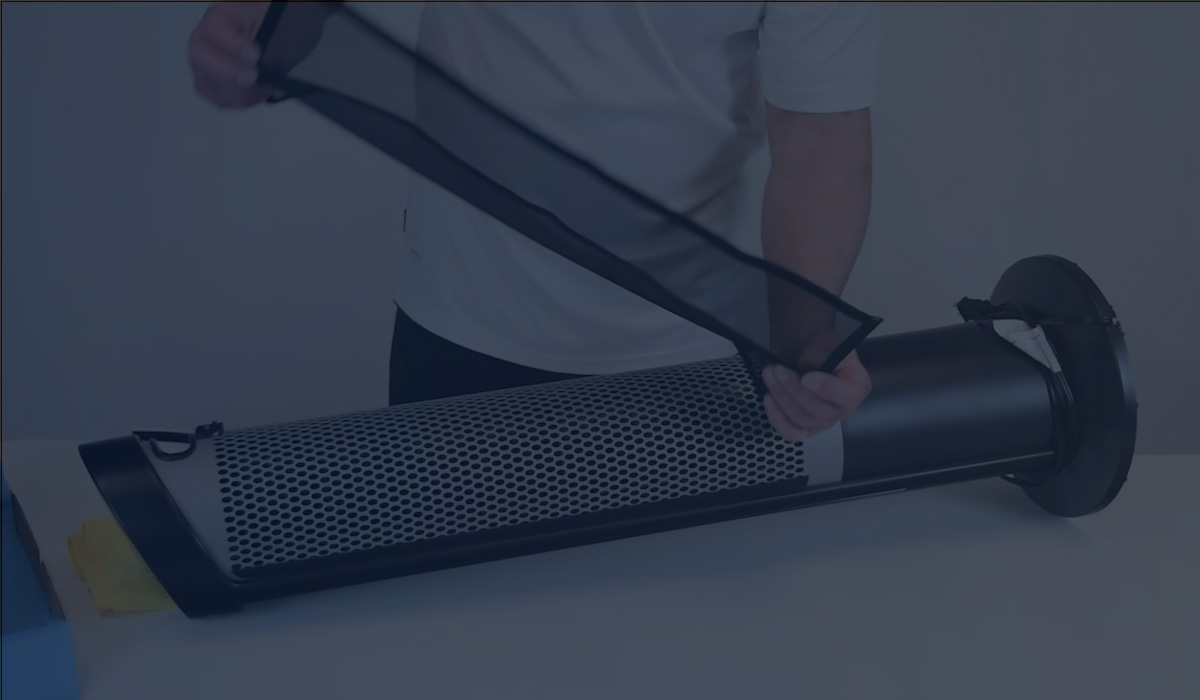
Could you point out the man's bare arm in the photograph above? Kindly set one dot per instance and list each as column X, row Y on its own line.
column 818, row 193
column 815, row 212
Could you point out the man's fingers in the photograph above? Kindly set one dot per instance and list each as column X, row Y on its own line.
column 781, row 423
column 801, row 402
column 821, row 410
column 241, row 50
column 224, row 79
column 843, row 391
column 227, row 36
column 223, row 57
column 240, row 18
column 221, row 96
column 222, row 51
column 220, row 67
column 801, row 406
column 798, row 405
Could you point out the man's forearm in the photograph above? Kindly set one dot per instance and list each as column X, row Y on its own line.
column 818, row 195
column 815, row 209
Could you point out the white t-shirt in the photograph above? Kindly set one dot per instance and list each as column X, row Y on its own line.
column 664, row 96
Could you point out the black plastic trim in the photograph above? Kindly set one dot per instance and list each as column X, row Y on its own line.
column 1090, row 344
column 143, row 507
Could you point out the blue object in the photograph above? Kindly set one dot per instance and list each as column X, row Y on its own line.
column 38, row 654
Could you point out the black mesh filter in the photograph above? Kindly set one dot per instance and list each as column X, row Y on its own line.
column 341, row 65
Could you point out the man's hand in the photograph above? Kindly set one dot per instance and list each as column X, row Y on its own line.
column 223, row 56
column 225, row 59
column 815, row 209
column 802, row 406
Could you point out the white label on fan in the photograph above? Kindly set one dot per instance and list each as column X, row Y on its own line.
column 1029, row 339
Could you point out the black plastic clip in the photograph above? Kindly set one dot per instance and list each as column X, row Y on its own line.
column 973, row 310
column 154, row 437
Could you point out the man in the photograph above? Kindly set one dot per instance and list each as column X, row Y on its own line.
column 673, row 99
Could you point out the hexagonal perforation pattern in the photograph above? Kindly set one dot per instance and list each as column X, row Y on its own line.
column 417, row 472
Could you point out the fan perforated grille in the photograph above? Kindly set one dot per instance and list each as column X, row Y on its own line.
column 440, row 468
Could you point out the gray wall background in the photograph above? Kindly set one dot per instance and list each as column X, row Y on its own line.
column 165, row 264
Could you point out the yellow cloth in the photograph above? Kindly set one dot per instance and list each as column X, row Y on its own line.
column 114, row 572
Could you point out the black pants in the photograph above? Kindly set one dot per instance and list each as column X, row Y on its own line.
column 424, row 366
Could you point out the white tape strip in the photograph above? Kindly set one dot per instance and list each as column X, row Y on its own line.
column 1029, row 339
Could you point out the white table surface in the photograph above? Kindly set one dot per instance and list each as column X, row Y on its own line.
column 962, row 592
